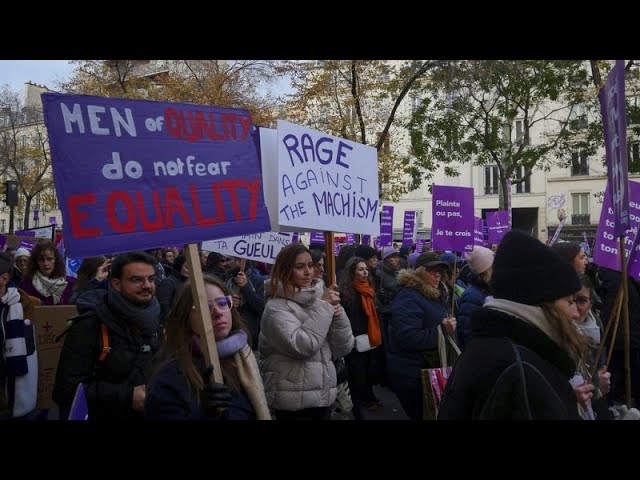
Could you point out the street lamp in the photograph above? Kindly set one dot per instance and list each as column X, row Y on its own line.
column 11, row 199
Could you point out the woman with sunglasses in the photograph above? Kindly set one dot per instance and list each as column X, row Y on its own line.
column 303, row 329
column 180, row 388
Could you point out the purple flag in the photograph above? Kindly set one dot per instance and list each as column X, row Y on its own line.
column 614, row 121
column 497, row 225
column 137, row 174
column 386, row 226
column 607, row 244
column 452, row 217
column 79, row 407
column 478, row 232
column 408, row 228
column 317, row 237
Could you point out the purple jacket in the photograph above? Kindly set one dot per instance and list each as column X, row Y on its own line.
column 28, row 287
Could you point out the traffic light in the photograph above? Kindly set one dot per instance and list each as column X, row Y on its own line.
column 11, row 193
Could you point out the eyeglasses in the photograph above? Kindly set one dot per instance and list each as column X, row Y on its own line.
column 223, row 303
column 583, row 300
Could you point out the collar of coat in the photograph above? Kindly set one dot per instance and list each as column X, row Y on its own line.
column 410, row 279
column 302, row 296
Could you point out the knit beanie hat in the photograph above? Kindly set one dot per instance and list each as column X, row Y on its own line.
column 527, row 271
column 365, row 252
column 388, row 251
column 480, row 259
column 22, row 252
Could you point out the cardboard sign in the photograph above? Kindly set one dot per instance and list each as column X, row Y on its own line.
column 49, row 321
column 261, row 247
column 136, row 174
column 326, row 183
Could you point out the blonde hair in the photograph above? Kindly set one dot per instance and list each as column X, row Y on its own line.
column 575, row 343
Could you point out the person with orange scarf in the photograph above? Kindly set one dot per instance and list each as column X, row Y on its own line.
column 358, row 300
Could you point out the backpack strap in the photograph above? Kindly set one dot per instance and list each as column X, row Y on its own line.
column 105, row 342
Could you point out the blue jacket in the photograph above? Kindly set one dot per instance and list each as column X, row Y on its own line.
column 472, row 299
column 416, row 312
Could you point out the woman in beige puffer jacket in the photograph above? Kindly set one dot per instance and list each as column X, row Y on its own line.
column 302, row 330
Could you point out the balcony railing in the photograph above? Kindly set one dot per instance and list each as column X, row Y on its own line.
column 581, row 219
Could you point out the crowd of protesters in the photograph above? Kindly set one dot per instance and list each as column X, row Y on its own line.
column 294, row 344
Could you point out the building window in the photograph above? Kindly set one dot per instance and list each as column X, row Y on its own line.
column 491, row 180
column 416, row 102
column 579, row 118
column 579, row 163
column 580, row 214
column 520, row 133
column 523, row 187
column 420, row 218
column 634, row 157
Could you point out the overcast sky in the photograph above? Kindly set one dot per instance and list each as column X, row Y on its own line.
column 47, row 72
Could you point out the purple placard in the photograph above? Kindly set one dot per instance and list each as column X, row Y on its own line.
column 376, row 243
column 52, row 220
column 386, row 226
column 419, row 245
column 295, row 237
column 366, row 240
column 452, row 217
column 3, row 242
column 79, row 407
column 509, row 202
column 317, row 237
column 134, row 174
column 614, row 122
column 25, row 233
column 478, row 232
column 336, row 248
column 351, row 239
column 497, row 225
column 408, row 228
column 606, row 246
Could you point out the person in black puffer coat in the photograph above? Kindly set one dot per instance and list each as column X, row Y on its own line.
column 524, row 347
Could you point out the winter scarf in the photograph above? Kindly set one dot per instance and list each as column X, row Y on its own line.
column 235, row 342
column 146, row 319
column 49, row 287
column 20, row 359
column 373, row 327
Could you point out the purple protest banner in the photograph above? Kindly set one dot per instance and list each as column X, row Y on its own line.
column 419, row 245
column 386, row 226
column 52, row 220
column 607, row 244
column 478, row 231
column 497, row 225
column 24, row 233
column 452, row 217
column 376, row 243
column 79, row 408
column 28, row 245
column 408, row 228
column 295, row 237
column 351, row 239
column 3, row 242
column 366, row 240
column 317, row 237
column 336, row 248
column 136, row 174
column 614, row 122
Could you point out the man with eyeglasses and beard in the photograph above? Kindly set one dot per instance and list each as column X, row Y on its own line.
column 109, row 349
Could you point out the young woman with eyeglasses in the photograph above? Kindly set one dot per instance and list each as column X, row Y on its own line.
column 180, row 390
column 303, row 329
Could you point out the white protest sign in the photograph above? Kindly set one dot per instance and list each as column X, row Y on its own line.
column 326, row 182
column 261, row 247
column 269, row 161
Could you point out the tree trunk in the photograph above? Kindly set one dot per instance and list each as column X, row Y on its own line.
column 27, row 210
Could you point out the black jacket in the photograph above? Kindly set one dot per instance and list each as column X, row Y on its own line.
column 489, row 382
column 108, row 384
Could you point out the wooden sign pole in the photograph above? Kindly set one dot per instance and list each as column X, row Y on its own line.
column 625, row 318
column 330, row 260
column 204, row 326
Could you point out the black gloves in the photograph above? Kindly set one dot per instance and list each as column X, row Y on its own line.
column 214, row 397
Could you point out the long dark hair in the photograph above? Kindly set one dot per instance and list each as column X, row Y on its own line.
column 347, row 292
column 59, row 270
column 283, row 268
column 179, row 338
column 87, row 271
column 567, row 250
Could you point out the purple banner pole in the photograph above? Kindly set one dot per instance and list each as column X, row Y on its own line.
column 452, row 218
column 386, row 226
